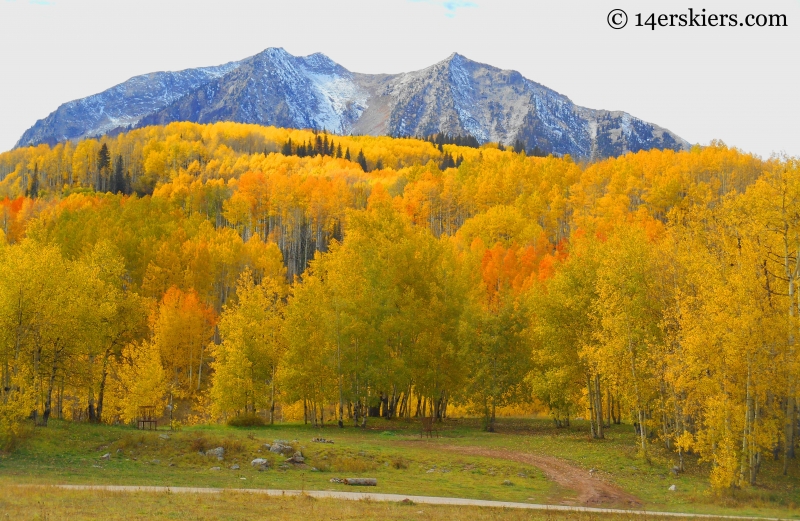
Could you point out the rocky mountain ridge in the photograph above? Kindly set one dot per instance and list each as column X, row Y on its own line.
column 456, row 96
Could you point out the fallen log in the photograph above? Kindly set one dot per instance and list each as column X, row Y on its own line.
column 363, row 482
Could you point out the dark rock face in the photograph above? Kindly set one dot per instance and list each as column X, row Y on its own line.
column 456, row 96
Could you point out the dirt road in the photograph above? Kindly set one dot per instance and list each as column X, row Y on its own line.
column 592, row 491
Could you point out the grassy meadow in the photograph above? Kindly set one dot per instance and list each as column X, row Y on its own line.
column 455, row 464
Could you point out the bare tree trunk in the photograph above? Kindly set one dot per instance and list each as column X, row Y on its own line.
column 272, row 399
column 598, row 406
column 591, row 402
column 49, row 396
column 102, row 391
column 788, row 431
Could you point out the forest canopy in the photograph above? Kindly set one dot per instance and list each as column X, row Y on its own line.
column 223, row 270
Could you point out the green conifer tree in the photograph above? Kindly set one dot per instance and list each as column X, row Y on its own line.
column 361, row 160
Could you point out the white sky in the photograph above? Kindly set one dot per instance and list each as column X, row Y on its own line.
column 737, row 84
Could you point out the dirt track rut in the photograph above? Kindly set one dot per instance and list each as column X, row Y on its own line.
column 591, row 489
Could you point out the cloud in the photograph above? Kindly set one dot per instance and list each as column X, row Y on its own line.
column 40, row 2
column 450, row 6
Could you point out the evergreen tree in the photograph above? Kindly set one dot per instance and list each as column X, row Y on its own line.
column 538, row 152
column 347, row 154
column 287, row 148
column 103, row 158
column 118, row 178
column 361, row 160
column 447, row 162
column 33, row 190
column 379, row 165
column 103, row 166
column 339, row 151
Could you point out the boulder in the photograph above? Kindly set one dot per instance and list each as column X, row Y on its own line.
column 106, row 456
column 164, row 436
column 258, row 461
column 280, row 448
column 234, row 467
column 297, row 457
column 673, row 488
column 219, row 452
column 216, row 468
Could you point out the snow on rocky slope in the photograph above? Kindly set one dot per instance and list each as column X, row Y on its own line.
column 457, row 96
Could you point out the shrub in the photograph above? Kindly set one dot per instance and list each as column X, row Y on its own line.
column 199, row 444
column 246, row 420
column 232, row 446
column 399, row 463
column 351, row 464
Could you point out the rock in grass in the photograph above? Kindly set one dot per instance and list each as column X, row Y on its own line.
column 673, row 488
column 106, row 456
column 508, row 483
column 216, row 468
column 219, row 452
column 297, row 457
column 234, row 467
column 164, row 436
column 280, row 448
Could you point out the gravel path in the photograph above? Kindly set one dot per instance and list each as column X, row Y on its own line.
column 372, row 496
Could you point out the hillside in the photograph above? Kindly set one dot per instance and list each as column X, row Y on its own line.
column 230, row 271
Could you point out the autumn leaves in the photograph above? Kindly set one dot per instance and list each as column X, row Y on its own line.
column 658, row 288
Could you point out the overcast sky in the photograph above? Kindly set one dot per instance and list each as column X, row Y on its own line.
column 737, row 84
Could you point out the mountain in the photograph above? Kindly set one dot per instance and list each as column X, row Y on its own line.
column 456, row 96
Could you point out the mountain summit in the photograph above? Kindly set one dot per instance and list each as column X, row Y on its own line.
column 456, row 96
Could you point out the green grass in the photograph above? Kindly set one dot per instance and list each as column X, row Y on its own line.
column 45, row 504
column 393, row 453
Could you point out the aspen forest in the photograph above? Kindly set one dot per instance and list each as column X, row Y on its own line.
column 228, row 270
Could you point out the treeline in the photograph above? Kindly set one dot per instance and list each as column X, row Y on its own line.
column 658, row 288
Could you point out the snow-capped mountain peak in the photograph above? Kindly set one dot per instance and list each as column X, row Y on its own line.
column 456, row 96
